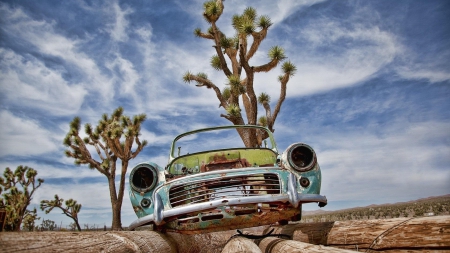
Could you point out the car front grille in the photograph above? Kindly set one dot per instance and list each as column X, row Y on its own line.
column 224, row 187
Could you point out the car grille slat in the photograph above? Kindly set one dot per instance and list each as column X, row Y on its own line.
column 234, row 181
column 224, row 187
column 207, row 194
column 181, row 193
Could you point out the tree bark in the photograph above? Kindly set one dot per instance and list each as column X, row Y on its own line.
column 77, row 224
column 130, row 241
column 116, row 223
column 116, row 217
column 241, row 244
column 202, row 243
column 382, row 235
column 273, row 244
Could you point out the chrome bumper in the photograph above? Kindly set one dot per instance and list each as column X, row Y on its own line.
column 292, row 196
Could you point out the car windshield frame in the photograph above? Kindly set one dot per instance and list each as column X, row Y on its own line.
column 174, row 150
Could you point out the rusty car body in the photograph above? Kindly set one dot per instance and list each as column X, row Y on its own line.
column 228, row 187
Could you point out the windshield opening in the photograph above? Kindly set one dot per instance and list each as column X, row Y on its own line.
column 212, row 139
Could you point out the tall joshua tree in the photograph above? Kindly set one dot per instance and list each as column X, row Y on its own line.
column 71, row 210
column 112, row 139
column 18, row 188
column 251, row 30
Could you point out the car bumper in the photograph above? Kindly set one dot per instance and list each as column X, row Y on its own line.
column 292, row 196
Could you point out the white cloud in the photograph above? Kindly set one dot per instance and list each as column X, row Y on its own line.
column 280, row 10
column 153, row 138
column 276, row 10
column 424, row 72
column 400, row 164
column 93, row 195
column 42, row 36
column 370, row 50
column 27, row 81
column 165, row 92
column 119, row 28
column 125, row 75
column 21, row 136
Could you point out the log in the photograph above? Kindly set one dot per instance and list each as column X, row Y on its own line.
column 208, row 243
column 201, row 243
column 273, row 244
column 130, row 241
column 124, row 241
column 241, row 245
column 425, row 234
column 383, row 235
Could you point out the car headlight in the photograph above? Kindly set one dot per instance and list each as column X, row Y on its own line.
column 143, row 178
column 299, row 157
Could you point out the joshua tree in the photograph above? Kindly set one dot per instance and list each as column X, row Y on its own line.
column 71, row 210
column 112, row 139
column 48, row 225
column 251, row 30
column 29, row 220
column 19, row 188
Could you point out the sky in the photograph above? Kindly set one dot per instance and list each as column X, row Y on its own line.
column 371, row 93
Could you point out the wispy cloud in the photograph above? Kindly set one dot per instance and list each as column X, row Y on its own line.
column 119, row 28
column 424, row 72
column 341, row 54
column 372, row 163
column 42, row 38
column 280, row 10
column 23, row 137
column 28, row 82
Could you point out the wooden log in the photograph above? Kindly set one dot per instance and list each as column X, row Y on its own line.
column 208, row 243
column 273, row 244
column 241, row 245
column 425, row 234
column 383, row 235
column 130, row 241
column 202, row 243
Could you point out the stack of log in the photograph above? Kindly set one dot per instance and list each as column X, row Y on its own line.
column 424, row 234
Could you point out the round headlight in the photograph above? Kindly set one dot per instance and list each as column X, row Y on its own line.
column 143, row 178
column 300, row 157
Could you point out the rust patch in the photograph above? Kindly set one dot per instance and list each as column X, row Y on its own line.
column 225, row 164
column 137, row 208
column 222, row 221
column 223, row 160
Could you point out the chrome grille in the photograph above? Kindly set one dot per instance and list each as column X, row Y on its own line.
column 224, row 187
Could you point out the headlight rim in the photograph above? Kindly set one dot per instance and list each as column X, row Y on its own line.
column 154, row 172
column 288, row 160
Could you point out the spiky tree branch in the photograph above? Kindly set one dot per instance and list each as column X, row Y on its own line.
column 289, row 70
column 71, row 210
column 113, row 138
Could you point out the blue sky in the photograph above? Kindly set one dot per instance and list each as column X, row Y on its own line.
column 371, row 93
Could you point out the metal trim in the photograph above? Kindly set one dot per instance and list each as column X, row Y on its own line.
column 160, row 213
column 292, row 190
column 158, row 209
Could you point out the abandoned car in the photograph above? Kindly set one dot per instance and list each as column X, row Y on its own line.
column 228, row 187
